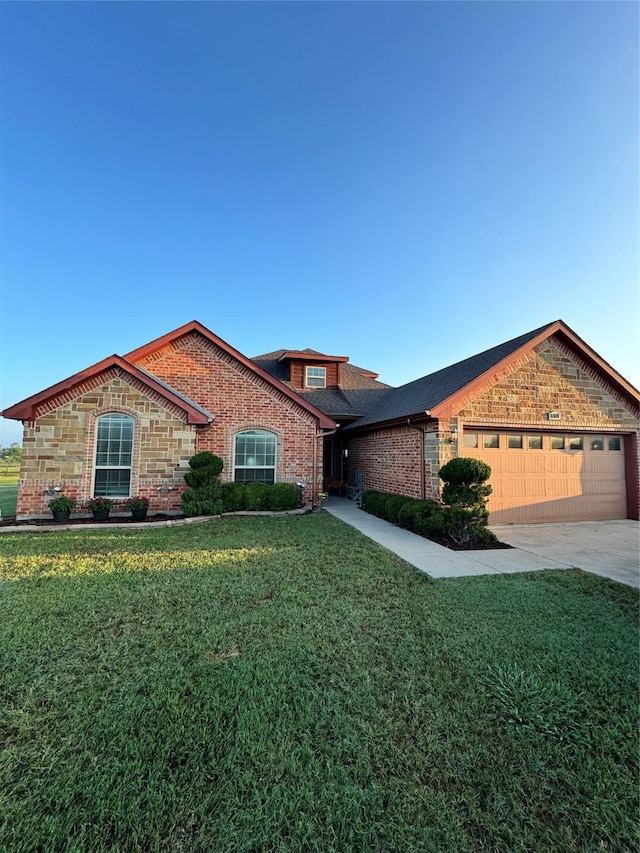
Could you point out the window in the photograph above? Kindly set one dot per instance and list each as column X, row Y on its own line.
column 514, row 442
column 470, row 439
column 255, row 457
column 597, row 442
column 575, row 442
column 614, row 442
column 490, row 440
column 535, row 442
column 114, row 451
column 557, row 442
column 315, row 377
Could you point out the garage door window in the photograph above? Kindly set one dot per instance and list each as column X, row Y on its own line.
column 597, row 442
column 491, row 441
column 514, row 442
column 557, row 442
column 576, row 443
column 470, row 439
column 535, row 442
column 614, row 442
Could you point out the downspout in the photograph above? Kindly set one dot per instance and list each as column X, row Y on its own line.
column 423, row 460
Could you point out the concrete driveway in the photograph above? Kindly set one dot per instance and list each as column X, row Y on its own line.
column 607, row 548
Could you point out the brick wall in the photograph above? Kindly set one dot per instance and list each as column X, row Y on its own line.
column 59, row 446
column 239, row 400
column 551, row 380
column 389, row 460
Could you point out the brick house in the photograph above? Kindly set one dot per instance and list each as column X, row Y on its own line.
column 557, row 424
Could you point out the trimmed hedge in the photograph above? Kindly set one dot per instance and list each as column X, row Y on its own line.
column 256, row 497
column 463, row 525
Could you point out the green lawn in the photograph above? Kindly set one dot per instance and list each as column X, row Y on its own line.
column 8, row 499
column 285, row 684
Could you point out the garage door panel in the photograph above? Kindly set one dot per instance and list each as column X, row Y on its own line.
column 553, row 485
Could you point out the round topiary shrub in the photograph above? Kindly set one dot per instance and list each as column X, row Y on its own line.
column 204, row 497
column 371, row 500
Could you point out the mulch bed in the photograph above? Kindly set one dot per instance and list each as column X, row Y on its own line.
column 453, row 546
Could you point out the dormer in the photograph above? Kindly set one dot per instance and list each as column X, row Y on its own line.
column 310, row 370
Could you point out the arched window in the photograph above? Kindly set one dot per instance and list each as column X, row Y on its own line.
column 114, row 452
column 255, row 457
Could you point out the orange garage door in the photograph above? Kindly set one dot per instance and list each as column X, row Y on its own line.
column 551, row 476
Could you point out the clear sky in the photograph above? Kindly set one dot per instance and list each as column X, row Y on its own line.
column 406, row 184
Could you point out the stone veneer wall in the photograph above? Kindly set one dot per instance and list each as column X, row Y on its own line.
column 552, row 380
column 239, row 399
column 59, row 446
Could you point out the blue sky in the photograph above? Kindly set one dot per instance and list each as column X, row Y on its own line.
column 406, row 184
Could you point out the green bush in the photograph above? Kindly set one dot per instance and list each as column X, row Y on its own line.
column 465, row 470
column 233, row 499
column 256, row 496
column 465, row 482
column 371, row 500
column 206, row 459
column 206, row 500
column 465, row 525
column 204, row 497
column 283, row 496
column 390, row 507
column 413, row 513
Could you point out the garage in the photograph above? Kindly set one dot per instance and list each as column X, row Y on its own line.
column 551, row 476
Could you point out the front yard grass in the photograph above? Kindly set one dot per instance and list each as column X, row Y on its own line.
column 8, row 499
column 285, row 684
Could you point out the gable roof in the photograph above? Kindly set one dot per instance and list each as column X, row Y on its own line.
column 324, row 422
column 26, row 409
column 437, row 394
column 359, row 389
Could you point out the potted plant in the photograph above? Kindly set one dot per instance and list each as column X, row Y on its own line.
column 61, row 507
column 138, row 507
column 100, row 507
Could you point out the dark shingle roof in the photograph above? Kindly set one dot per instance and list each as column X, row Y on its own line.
column 357, row 394
column 424, row 394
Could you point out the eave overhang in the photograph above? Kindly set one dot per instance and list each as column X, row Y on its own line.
column 447, row 407
column 26, row 410
column 323, row 421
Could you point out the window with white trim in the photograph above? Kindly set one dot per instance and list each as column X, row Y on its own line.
column 114, row 454
column 315, row 377
column 255, row 457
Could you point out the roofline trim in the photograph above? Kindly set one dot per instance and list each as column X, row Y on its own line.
column 324, row 422
column 25, row 410
column 448, row 406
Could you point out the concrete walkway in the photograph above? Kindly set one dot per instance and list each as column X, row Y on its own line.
column 440, row 562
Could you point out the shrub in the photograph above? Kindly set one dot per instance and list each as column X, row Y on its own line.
column 465, row 525
column 205, row 469
column 464, row 480
column 206, row 500
column 371, row 500
column 256, row 496
column 413, row 513
column 465, row 494
column 283, row 496
column 390, row 507
column 204, row 497
column 62, row 504
column 233, row 499
column 206, row 459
